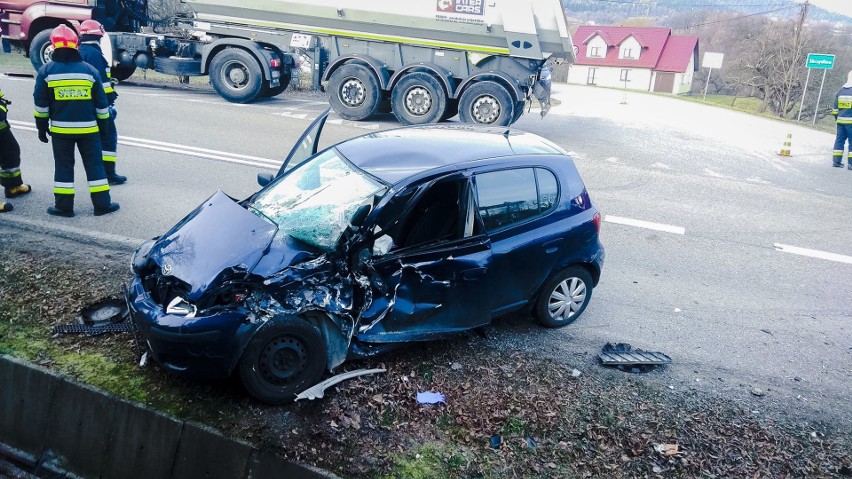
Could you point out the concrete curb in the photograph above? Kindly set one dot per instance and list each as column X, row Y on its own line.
column 59, row 425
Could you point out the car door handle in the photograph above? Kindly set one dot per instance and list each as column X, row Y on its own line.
column 473, row 274
column 552, row 246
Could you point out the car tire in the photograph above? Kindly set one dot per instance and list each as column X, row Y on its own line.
column 568, row 293
column 353, row 91
column 487, row 103
column 40, row 49
column 418, row 99
column 286, row 356
column 236, row 76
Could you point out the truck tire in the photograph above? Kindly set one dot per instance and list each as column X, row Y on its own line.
column 354, row 92
column 121, row 73
column 236, row 76
column 487, row 103
column 275, row 91
column 418, row 98
column 40, row 49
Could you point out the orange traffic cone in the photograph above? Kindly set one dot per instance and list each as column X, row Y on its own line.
column 785, row 150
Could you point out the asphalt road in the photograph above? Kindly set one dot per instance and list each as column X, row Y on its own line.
column 731, row 259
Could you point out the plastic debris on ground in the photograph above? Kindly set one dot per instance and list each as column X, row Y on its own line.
column 496, row 441
column 625, row 358
column 105, row 316
column 318, row 391
column 430, row 397
column 667, row 449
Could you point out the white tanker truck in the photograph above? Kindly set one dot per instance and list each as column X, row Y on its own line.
column 424, row 60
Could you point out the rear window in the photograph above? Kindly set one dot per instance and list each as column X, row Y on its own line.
column 508, row 197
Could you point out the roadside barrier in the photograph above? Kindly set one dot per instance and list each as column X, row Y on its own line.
column 785, row 150
column 57, row 425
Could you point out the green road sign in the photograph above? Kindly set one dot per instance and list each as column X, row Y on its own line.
column 820, row 60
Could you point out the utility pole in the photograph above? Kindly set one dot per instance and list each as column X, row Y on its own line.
column 798, row 52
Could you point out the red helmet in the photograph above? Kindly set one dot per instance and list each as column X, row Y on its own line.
column 92, row 27
column 63, row 37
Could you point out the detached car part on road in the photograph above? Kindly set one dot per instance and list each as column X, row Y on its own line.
column 403, row 235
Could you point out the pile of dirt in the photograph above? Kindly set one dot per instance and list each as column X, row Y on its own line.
column 505, row 413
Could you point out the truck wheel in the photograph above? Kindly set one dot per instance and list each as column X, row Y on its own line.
column 285, row 357
column 275, row 91
column 418, row 99
column 354, row 92
column 41, row 50
column 487, row 103
column 122, row 73
column 236, row 75
column 520, row 106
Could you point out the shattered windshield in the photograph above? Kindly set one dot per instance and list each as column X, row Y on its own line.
column 315, row 202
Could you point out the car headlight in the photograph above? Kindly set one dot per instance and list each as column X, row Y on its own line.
column 181, row 307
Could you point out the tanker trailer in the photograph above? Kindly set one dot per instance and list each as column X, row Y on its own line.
column 424, row 60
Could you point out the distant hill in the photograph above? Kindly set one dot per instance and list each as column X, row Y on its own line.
column 606, row 12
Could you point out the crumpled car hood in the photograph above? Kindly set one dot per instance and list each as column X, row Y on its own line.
column 217, row 238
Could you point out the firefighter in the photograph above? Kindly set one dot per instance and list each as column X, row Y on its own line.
column 68, row 93
column 91, row 32
column 10, row 159
column 843, row 113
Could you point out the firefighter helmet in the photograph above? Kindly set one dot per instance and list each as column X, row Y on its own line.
column 63, row 37
column 92, row 27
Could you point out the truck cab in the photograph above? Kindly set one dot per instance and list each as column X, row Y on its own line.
column 26, row 24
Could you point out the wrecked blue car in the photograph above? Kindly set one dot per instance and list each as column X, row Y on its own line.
column 405, row 235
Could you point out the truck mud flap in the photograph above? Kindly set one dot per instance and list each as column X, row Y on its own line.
column 178, row 66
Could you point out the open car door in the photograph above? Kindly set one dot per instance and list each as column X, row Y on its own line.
column 307, row 145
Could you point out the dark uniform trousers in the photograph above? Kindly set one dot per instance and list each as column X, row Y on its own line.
column 89, row 146
column 10, row 158
column 109, row 137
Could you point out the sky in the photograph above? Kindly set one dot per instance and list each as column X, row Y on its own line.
column 843, row 7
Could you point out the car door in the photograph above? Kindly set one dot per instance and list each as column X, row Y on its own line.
column 513, row 204
column 433, row 287
column 307, row 145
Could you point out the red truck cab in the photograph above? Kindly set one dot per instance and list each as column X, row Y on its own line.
column 26, row 24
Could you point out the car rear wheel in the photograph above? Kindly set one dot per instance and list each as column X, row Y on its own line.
column 285, row 357
column 564, row 297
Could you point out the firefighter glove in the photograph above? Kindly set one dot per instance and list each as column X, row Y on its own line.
column 42, row 136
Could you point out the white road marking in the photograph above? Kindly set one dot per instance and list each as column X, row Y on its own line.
column 53, row 226
column 645, row 224
column 612, row 159
column 661, row 165
column 182, row 149
column 813, row 253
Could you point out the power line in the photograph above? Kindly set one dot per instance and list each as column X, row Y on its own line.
column 735, row 18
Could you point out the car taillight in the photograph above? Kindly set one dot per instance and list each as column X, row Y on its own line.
column 275, row 63
column 597, row 220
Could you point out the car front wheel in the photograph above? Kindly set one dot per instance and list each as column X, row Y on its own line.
column 285, row 357
column 564, row 297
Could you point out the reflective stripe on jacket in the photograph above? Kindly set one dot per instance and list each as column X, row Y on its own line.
column 843, row 106
column 93, row 55
column 71, row 95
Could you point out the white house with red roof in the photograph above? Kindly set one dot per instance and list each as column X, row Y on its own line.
column 637, row 58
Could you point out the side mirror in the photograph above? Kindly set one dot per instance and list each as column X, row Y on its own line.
column 264, row 179
column 360, row 215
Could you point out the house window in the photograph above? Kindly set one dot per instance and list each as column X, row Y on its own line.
column 625, row 75
column 628, row 53
column 595, row 52
column 590, row 79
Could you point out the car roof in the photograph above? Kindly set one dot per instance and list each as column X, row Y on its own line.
column 395, row 155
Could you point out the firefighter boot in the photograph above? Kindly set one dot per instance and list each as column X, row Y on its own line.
column 64, row 205
column 110, row 208
column 56, row 211
column 15, row 191
column 113, row 177
column 5, row 207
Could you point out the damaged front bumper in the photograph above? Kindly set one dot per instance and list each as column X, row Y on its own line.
column 202, row 347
